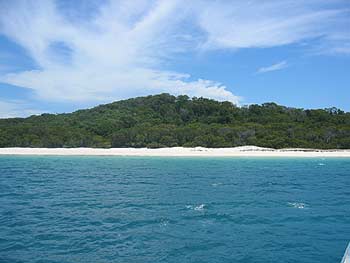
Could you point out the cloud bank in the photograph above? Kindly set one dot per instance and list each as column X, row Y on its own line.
column 118, row 49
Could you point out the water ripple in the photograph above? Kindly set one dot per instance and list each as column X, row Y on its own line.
column 119, row 209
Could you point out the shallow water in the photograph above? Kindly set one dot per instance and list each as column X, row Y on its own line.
column 122, row 209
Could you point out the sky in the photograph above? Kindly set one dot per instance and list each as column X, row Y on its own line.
column 60, row 56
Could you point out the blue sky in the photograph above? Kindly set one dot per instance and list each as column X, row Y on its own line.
column 59, row 56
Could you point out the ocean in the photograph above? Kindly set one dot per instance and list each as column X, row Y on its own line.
column 157, row 209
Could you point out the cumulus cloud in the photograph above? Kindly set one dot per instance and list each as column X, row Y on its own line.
column 274, row 67
column 119, row 49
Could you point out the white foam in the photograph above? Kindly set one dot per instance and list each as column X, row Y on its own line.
column 297, row 205
column 199, row 207
column 163, row 222
column 196, row 208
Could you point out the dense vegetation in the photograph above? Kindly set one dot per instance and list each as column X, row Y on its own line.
column 165, row 120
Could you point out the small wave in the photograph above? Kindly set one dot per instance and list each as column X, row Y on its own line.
column 321, row 164
column 163, row 222
column 200, row 207
column 297, row 205
column 216, row 184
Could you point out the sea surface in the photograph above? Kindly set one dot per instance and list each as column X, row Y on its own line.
column 138, row 209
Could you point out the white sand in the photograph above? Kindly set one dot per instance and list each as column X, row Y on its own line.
column 180, row 151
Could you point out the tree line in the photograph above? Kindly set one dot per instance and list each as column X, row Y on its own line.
column 167, row 121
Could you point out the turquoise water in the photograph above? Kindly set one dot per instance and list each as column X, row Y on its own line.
column 118, row 209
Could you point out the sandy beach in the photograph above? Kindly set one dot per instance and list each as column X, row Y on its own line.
column 244, row 151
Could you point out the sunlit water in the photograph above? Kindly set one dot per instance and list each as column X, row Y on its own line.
column 118, row 209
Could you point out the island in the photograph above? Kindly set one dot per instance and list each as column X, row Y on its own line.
column 179, row 122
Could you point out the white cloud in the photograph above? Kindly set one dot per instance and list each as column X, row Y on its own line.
column 16, row 108
column 337, row 44
column 274, row 67
column 261, row 24
column 118, row 54
column 121, row 50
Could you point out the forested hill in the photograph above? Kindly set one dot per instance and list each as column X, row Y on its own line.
column 166, row 121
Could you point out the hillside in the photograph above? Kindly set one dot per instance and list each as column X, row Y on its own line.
column 165, row 121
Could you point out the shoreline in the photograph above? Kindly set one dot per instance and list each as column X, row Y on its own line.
column 242, row 151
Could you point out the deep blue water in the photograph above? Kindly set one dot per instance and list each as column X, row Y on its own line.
column 118, row 209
